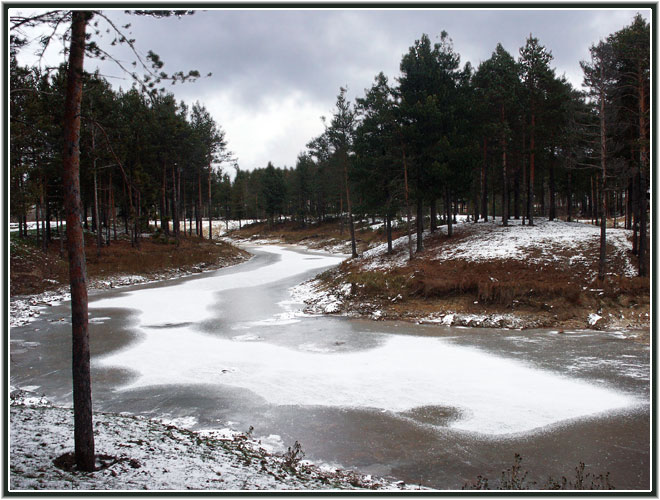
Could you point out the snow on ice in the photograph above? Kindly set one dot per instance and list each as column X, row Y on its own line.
column 496, row 395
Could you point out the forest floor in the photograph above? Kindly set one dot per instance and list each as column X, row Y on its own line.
column 38, row 278
column 136, row 453
column 484, row 275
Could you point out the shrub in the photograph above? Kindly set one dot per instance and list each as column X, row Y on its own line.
column 515, row 478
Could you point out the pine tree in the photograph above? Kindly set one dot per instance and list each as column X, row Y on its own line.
column 535, row 72
column 340, row 135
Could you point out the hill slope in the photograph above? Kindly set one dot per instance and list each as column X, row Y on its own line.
column 489, row 275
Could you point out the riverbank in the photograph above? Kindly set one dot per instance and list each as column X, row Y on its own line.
column 39, row 279
column 296, row 367
column 486, row 275
column 135, row 453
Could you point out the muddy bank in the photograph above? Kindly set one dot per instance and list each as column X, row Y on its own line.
column 338, row 296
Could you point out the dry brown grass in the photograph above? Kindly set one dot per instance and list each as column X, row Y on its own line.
column 316, row 235
column 34, row 271
column 561, row 291
column 499, row 282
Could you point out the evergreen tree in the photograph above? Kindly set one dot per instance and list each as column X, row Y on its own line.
column 497, row 83
column 535, row 71
column 378, row 174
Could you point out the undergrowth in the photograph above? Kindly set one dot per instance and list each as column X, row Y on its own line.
column 515, row 478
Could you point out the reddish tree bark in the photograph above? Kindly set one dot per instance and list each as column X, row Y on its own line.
column 82, row 387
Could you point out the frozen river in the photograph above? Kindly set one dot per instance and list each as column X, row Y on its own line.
column 427, row 404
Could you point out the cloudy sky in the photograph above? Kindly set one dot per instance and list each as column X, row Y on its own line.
column 276, row 72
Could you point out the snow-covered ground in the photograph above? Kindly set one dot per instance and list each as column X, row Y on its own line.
column 142, row 454
column 545, row 242
column 220, row 227
column 13, row 226
column 548, row 243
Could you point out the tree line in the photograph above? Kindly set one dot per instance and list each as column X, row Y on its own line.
column 143, row 157
column 509, row 138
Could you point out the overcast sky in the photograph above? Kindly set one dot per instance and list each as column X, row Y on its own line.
column 276, row 72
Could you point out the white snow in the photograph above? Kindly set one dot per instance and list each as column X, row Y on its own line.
column 190, row 301
column 487, row 241
column 220, row 226
column 142, row 454
column 593, row 319
column 496, row 395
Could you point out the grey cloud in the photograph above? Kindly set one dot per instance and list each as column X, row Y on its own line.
column 257, row 56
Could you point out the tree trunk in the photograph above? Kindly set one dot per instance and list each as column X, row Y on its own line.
column 530, row 180
column 341, row 213
column 569, row 198
column 516, row 194
column 164, row 224
column 420, row 222
column 448, row 209
column 434, row 215
column 99, row 234
column 505, row 191
column 603, row 185
column 351, row 226
column 175, row 213
column 210, row 228
column 505, row 179
column 408, row 211
column 551, row 187
column 198, row 207
column 47, row 215
column 37, row 216
column 484, row 184
column 388, row 232
column 85, row 221
column 644, row 168
column 642, row 246
column 82, row 387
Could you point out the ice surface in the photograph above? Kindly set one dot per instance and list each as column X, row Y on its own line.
column 496, row 395
column 189, row 301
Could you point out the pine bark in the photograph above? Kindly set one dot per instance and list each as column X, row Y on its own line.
column 388, row 232
column 530, row 185
column 210, row 226
column 408, row 211
column 434, row 215
column 644, row 167
column 603, row 184
column 505, row 179
column 420, row 221
column 164, row 224
column 484, row 183
column 82, row 388
column 351, row 226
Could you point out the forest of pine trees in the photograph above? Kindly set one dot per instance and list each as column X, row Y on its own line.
column 142, row 158
column 510, row 138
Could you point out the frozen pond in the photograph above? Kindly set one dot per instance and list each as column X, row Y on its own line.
column 430, row 404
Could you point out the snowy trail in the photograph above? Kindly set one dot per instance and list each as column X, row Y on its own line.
column 494, row 395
